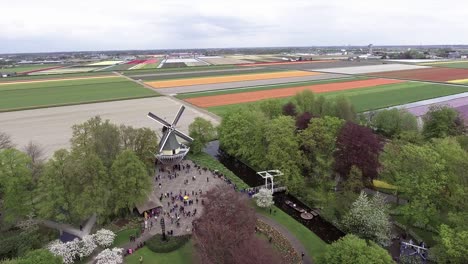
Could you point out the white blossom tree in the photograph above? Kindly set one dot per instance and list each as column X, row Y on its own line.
column 110, row 256
column 369, row 219
column 68, row 251
column 264, row 198
column 86, row 246
column 104, row 237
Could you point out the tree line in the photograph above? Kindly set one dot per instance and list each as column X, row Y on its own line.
column 329, row 154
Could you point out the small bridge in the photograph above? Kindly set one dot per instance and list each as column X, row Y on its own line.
column 268, row 186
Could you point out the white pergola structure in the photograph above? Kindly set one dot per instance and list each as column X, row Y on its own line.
column 269, row 175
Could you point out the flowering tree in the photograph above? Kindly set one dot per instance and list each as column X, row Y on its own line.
column 86, row 246
column 110, row 256
column 68, row 251
column 369, row 219
column 104, row 237
column 264, row 198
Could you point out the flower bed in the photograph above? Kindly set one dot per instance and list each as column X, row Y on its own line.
column 288, row 253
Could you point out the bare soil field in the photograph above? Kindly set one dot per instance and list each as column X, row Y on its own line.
column 372, row 68
column 429, row 74
column 51, row 127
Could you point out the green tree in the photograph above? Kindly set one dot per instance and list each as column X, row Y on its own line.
column 420, row 173
column 442, row 121
column 16, row 184
column 89, row 188
column 130, row 183
column 100, row 137
column 394, row 121
column 452, row 246
column 271, row 108
column 463, row 141
column 351, row 249
column 241, row 134
column 38, row 256
column 354, row 181
column 318, row 145
column 455, row 194
column 73, row 187
column 369, row 219
column 202, row 131
column 283, row 151
column 344, row 109
column 305, row 102
column 54, row 188
column 143, row 141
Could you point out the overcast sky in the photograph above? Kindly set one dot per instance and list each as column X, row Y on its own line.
column 65, row 25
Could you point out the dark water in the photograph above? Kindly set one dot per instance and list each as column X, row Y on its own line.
column 325, row 230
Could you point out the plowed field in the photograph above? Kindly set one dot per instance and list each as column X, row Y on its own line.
column 429, row 74
column 231, row 78
column 226, row 99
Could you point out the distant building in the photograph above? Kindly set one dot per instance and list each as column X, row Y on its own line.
column 7, row 74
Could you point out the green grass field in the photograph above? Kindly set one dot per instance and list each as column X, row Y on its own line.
column 26, row 68
column 313, row 244
column 375, row 97
column 181, row 256
column 43, row 94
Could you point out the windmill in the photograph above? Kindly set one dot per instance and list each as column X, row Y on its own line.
column 170, row 150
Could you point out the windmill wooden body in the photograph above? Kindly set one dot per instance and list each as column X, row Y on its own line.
column 170, row 150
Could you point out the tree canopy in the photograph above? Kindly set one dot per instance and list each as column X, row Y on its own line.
column 351, row 249
column 442, row 121
column 202, row 131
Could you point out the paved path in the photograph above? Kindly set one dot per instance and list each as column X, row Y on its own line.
column 70, row 229
column 390, row 198
column 204, row 181
column 292, row 239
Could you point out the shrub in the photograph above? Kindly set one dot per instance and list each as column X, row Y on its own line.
column 155, row 243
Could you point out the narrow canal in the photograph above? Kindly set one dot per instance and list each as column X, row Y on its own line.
column 325, row 230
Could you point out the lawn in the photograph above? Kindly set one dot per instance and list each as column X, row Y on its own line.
column 313, row 244
column 45, row 94
column 123, row 236
column 375, row 97
column 181, row 256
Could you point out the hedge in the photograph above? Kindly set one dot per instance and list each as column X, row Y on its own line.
column 172, row 243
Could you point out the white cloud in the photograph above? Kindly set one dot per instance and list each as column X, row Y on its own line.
column 48, row 25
